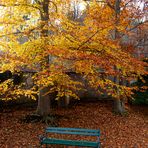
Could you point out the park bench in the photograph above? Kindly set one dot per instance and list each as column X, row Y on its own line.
column 45, row 140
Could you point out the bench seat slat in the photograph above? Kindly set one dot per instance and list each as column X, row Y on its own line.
column 73, row 132
column 72, row 129
column 69, row 142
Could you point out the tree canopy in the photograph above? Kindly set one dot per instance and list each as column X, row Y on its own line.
column 41, row 35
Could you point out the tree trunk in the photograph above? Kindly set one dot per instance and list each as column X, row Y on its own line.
column 118, row 103
column 44, row 103
column 64, row 102
column 119, row 107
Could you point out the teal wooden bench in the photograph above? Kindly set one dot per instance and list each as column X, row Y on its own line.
column 45, row 140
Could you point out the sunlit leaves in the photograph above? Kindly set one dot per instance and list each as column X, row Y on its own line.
column 84, row 47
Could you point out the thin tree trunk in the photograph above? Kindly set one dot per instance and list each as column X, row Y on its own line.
column 118, row 103
column 119, row 107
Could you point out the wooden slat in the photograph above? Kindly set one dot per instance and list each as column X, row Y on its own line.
column 74, row 131
column 70, row 142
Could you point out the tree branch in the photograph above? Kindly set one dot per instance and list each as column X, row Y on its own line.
column 54, row 5
column 126, row 4
column 141, row 23
column 16, row 5
column 20, row 32
column 87, row 40
column 109, row 4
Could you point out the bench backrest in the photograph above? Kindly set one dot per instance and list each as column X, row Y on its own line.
column 73, row 131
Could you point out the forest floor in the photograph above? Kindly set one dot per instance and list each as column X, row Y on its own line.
column 129, row 131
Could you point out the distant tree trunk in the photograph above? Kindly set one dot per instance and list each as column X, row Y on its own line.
column 44, row 101
column 64, row 102
column 119, row 107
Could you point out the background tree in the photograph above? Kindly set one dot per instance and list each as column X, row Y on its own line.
column 124, row 14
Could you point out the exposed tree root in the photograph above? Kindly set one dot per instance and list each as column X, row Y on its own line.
column 50, row 120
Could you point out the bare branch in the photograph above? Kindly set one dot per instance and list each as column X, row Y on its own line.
column 126, row 5
column 141, row 23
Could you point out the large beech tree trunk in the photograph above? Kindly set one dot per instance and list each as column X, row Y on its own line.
column 44, row 101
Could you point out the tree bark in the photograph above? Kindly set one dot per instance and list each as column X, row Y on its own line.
column 119, row 107
column 64, row 102
column 44, row 101
column 118, row 103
